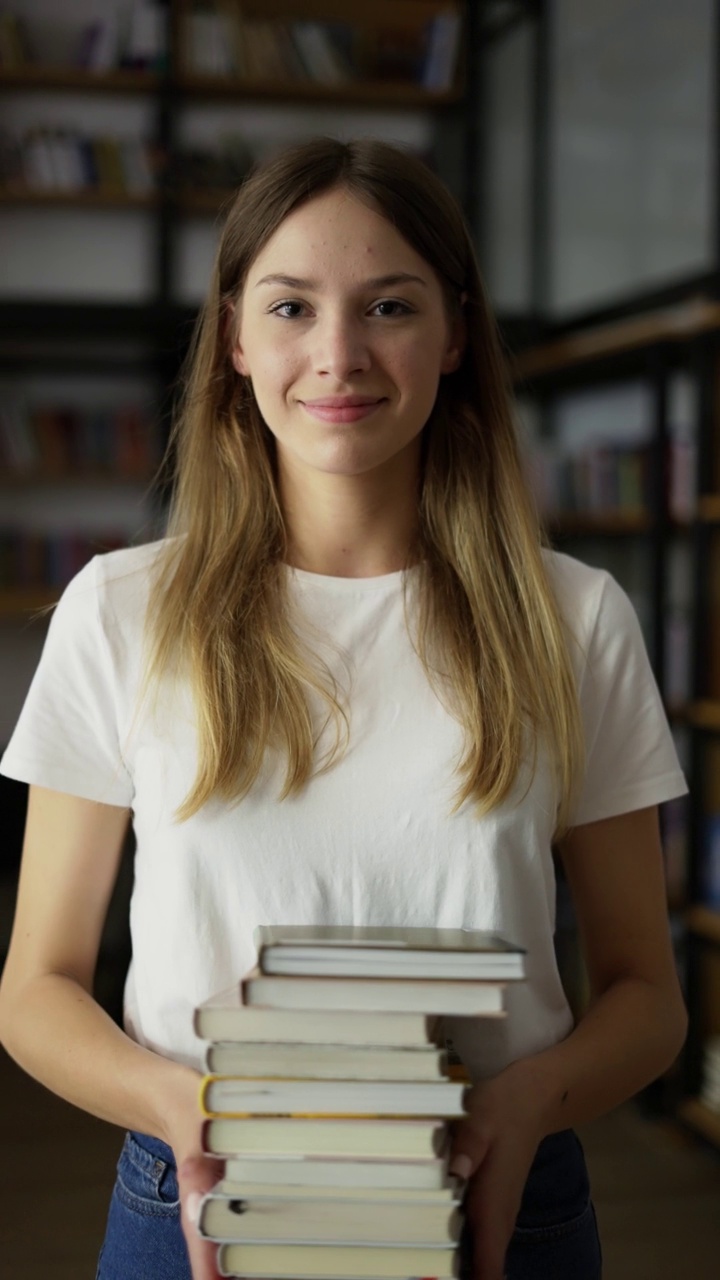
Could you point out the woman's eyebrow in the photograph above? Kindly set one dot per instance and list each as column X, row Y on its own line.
column 376, row 282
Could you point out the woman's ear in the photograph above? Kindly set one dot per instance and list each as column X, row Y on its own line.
column 457, row 341
column 238, row 360
column 231, row 338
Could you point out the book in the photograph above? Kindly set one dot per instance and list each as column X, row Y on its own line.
column 231, row 1096
column 243, row 1188
column 326, row 1061
column 225, row 1017
column 319, row 52
column 387, row 952
column 406, row 1139
column 393, row 995
column 306, row 1220
column 443, row 49
column 313, row 1171
column 330, row 1262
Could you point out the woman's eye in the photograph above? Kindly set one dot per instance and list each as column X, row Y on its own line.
column 392, row 307
column 290, row 310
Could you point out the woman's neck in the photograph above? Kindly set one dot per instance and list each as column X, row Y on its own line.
column 349, row 526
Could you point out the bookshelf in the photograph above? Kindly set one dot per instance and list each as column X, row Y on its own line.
column 681, row 340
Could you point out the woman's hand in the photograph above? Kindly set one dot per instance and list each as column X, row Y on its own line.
column 197, row 1173
column 493, row 1148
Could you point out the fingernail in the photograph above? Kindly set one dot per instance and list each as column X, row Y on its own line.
column 192, row 1206
column 461, row 1166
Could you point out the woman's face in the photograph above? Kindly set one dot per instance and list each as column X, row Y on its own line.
column 343, row 331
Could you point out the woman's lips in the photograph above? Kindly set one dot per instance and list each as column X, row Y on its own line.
column 337, row 409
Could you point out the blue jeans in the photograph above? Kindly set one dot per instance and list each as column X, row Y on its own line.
column 555, row 1237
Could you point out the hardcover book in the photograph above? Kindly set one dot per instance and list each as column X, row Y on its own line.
column 233, row 1096
column 302, row 1220
column 389, row 952
column 346, row 1139
column 336, row 1262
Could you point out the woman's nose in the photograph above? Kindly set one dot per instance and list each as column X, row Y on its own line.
column 341, row 349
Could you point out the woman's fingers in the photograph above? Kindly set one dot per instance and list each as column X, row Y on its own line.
column 197, row 1175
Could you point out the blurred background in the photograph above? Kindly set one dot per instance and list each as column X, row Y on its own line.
column 582, row 141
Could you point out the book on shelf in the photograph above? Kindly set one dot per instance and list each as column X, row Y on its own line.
column 15, row 42
column 320, row 53
column 710, row 861
column 406, row 1139
column 224, row 1017
column 443, row 48
column 46, row 160
column 361, row 1173
column 233, row 1096
column 398, row 1219
column 48, row 560
column 372, row 951
column 326, row 1061
column 98, row 45
column 710, row 1084
column 329, row 1262
column 67, row 441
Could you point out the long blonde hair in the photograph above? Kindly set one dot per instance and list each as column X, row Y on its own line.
column 489, row 631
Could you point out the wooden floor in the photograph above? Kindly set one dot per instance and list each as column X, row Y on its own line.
column 656, row 1191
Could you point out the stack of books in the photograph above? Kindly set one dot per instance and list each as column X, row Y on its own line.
column 329, row 1092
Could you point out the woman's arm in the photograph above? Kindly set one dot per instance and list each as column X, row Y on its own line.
column 633, row 1029
column 49, row 1021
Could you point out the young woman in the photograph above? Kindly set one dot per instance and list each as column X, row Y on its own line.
column 349, row 687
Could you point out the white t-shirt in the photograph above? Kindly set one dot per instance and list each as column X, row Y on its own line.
column 371, row 841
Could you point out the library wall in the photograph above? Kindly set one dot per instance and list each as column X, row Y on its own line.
column 627, row 163
column 631, row 147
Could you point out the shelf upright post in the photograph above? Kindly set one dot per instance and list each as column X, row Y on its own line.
column 704, row 359
column 541, row 158
column 474, row 110
column 715, row 160
column 167, row 344
column 656, row 365
column 165, row 136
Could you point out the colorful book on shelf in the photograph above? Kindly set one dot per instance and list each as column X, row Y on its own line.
column 333, row 1262
column 232, row 1096
column 406, row 1139
column 372, row 951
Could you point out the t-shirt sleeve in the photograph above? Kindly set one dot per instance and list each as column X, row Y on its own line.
column 67, row 737
column 631, row 762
